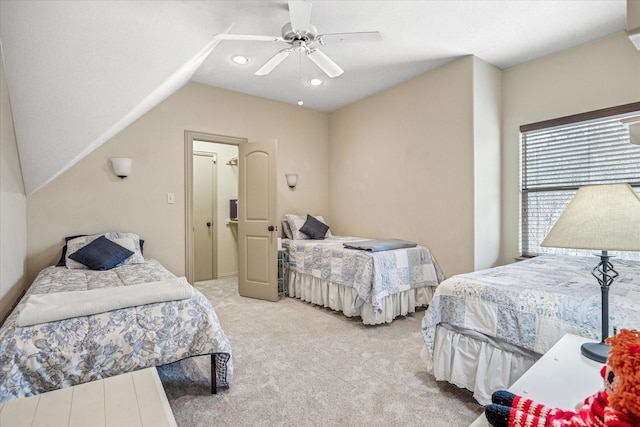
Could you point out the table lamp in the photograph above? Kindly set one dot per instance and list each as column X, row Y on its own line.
column 606, row 218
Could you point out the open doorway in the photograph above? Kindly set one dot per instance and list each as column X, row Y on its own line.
column 211, row 176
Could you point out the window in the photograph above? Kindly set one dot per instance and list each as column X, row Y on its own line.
column 559, row 156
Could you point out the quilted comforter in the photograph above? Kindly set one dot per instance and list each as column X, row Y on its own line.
column 531, row 304
column 374, row 275
column 53, row 355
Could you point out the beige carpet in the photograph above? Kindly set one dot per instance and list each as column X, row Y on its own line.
column 296, row 364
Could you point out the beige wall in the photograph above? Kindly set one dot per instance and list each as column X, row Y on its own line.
column 88, row 198
column 13, row 215
column 597, row 75
column 402, row 165
column 487, row 115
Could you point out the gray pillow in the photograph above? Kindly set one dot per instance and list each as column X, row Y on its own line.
column 314, row 228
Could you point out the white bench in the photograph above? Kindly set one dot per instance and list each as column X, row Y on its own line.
column 133, row 399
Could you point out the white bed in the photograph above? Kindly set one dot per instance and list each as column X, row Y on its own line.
column 483, row 330
column 377, row 286
column 81, row 342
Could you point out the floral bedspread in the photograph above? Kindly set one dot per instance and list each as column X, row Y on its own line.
column 531, row 304
column 54, row 355
column 374, row 275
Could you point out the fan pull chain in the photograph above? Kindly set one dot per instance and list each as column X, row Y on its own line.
column 300, row 101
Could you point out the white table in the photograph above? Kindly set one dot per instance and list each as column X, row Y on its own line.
column 561, row 378
column 133, row 399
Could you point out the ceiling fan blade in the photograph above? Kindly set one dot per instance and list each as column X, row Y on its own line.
column 300, row 12
column 273, row 62
column 245, row 37
column 329, row 67
column 370, row 36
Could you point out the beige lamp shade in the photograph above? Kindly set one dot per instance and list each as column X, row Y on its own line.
column 600, row 217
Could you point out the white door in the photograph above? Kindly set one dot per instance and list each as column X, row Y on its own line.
column 204, row 224
column 257, row 225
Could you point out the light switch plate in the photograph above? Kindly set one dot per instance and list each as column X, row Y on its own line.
column 170, row 198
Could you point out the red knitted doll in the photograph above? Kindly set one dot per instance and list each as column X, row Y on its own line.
column 617, row 405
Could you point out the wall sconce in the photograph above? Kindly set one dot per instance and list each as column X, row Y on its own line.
column 121, row 166
column 292, row 180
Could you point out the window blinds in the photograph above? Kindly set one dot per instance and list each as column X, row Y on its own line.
column 556, row 161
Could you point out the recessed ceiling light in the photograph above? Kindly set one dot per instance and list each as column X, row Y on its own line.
column 239, row 59
column 315, row 82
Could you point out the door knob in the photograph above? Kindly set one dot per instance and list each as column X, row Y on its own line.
column 208, row 224
column 271, row 228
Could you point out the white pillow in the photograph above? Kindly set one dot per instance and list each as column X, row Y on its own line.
column 295, row 222
column 133, row 245
column 73, row 246
column 286, row 229
column 129, row 241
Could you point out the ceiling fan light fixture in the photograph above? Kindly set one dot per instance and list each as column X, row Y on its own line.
column 315, row 82
column 302, row 37
column 240, row 60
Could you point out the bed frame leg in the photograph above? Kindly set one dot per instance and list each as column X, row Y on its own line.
column 214, row 387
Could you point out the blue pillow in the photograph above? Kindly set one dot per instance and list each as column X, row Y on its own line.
column 101, row 254
column 314, row 228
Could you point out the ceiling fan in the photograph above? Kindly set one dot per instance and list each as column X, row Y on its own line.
column 302, row 37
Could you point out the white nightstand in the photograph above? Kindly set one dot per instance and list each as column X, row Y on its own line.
column 560, row 379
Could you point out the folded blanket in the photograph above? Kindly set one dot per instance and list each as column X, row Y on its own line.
column 379, row 245
column 41, row 308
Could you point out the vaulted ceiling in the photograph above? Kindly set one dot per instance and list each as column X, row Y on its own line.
column 78, row 72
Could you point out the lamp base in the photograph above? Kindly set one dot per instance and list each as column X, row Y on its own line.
column 597, row 351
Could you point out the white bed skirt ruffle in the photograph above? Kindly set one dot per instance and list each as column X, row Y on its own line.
column 341, row 298
column 475, row 365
